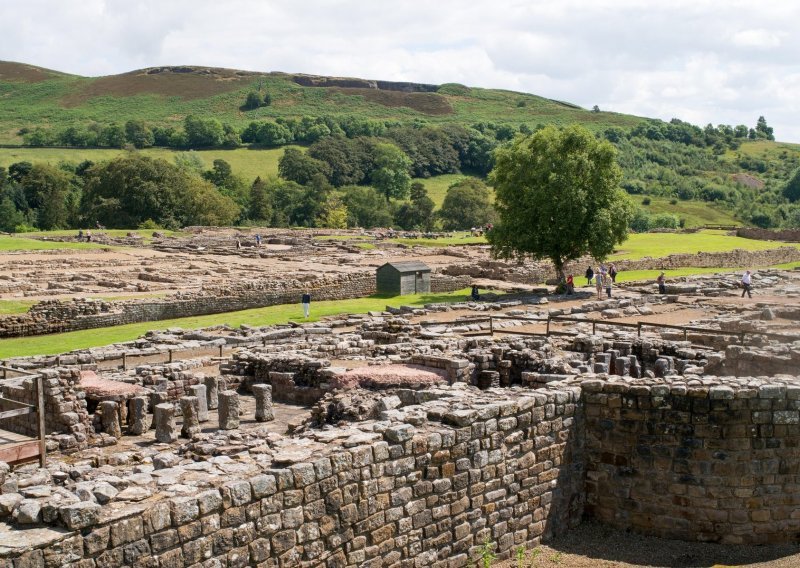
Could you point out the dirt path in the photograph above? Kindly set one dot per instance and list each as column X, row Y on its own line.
column 592, row 545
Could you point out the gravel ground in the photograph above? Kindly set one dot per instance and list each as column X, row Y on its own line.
column 593, row 545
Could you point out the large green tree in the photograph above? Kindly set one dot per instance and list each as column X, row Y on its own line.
column 466, row 205
column 131, row 189
column 46, row 189
column 558, row 197
column 390, row 175
column 296, row 166
column 418, row 213
column 366, row 207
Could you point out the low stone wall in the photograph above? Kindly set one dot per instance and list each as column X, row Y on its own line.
column 699, row 460
column 787, row 235
column 54, row 316
column 509, row 472
column 537, row 272
column 66, row 416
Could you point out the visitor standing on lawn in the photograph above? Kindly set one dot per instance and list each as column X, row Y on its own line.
column 589, row 276
column 306, row 301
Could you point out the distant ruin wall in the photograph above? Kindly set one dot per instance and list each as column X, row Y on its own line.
column 56, row 316
column 534, row 273
column 787, row 235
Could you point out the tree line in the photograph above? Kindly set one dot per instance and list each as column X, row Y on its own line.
column 358, row 172
column 133, row 191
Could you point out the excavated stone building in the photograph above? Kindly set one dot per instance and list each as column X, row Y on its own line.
column 411, row 437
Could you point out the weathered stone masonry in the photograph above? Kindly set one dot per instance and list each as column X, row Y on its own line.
column 507, row 471
column 710, row 461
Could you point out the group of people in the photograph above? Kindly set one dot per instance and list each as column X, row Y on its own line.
column 604, row 278
column 480, row 231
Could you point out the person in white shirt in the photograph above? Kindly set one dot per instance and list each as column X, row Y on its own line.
column 746, row 282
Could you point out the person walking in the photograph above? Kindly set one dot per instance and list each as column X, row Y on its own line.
column 598, row 282
column 747, row 282
column 662, row 287
column 609, row 283
column 258, row 240
column 306, row 301
column 612, row 271
column 589, row 276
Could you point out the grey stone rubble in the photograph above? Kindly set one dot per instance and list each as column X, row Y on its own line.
column 502, row 434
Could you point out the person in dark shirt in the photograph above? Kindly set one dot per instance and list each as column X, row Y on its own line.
column 306, row 301
column 589, row 276
column 475, row 293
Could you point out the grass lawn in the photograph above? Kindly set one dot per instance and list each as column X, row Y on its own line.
column 662, row 244
column 63, row 342
column 458, row 238
column 244, row 162
column 437, row 186
column 8, row 307
column 22, row 243
column 695, row 213
column 636, row 275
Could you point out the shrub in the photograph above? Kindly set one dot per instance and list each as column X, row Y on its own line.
column 646, row 201
column 25, row 228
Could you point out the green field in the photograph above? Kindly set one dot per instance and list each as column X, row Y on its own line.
column 662, row 244
column 10, row 307
column 458, row 238
column 63, row 342
column 18, row 243
column 245, row 162
column 437, row 186
column 695, row 213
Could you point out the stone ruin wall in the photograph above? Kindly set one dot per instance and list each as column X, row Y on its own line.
column 695, row 461
column 788, row 235
column 66, row 413
column 712, row 460
column 509, row 472
column 537, row 272
column 688, row 457
column 55, row 316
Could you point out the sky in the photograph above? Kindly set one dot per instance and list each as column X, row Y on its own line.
column 703, row 61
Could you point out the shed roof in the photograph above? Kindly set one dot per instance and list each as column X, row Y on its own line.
column 408, row 266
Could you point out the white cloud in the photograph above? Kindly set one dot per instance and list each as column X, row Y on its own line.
column 757, row 38
column 700, row 60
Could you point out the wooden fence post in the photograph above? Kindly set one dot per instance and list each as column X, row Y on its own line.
column 40, row 419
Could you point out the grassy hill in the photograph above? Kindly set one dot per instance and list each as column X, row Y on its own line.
column 729, row 187
column 32, row 96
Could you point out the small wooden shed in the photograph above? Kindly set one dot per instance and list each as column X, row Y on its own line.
column 400, row 278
